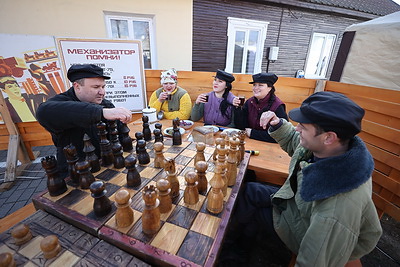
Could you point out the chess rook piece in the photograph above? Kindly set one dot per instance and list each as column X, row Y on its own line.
column 125, row 139
column 86, row 178
column 159, row 126
column 50, row 246
column 7, row 260
column 138, row 136
column 169, row 167
column 124, row 213
column 107, row 157
column 158, row 138
column 159, row 158
column 176, row 135
column 143, row 156
column 215, row 198
column 72, row 157
column 21, row 234
column 200, row 146
column 146, row 128
column 164, row 196
column 242, row 137
column 151, row 212
column 231, row 172
column 191, row 194
column 55, row 184
column 132, row 177
column 101, row 205
column 91, row 157
column 202, row 183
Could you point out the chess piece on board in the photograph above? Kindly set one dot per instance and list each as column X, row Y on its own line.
column 146, row 128
column 221, row 160
column 151, row 212
column 191, row 193
column 125, row 139
column 72, row 157
column 164, row 196
column 142, row 155
column 124, row 213
column 132, row 177
column 138, row 136
column 231, row 171
column 201, row 168
column 242, row 137
column 159, row 156
column 200, row 146
column 107, row 157
column 21, row 234
column 176, row 135
column 86, row 178
column 7, row 260
column 215, row 198
column 158, row 138
column 118, row 157
column 55, row 183
column 169, row 167
column 159, row 126
column 91, row 157
column 50, row 246
column 102, row 205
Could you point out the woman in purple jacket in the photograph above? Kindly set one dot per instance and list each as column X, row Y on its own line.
column 216, row 107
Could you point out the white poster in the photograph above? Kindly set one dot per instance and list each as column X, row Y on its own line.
column 122, row 60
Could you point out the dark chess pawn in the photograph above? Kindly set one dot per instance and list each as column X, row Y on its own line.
column 91, row 156
column 138, row 136
column 151, row 212
column 132, row 177
column 107, row 157
column 191, row 194
column 86, row 178
column 201, row 168
column 72, row 157
column 118, row 157
column 164, row 195
column 158, row 136
column 125, row 139
column 55, row 184
column 176, row 135
column 159, row 126
column 102, row 205
column 143, row 156
column 146, row 128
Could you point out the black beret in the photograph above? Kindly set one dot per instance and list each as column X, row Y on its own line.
column 332, row 112
column 268, row 78
column 79, row 71
column 225, row 76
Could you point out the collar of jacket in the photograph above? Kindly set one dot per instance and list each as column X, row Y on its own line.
column 331, row 176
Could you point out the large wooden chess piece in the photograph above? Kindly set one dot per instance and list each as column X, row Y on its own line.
column 191, row 194
column 176, row 135
column 169, row 167
column 132, row 177
column 138, row 136
column 124, row 213
column 215, row 198
column 146, row 128
column 158, row 138
column 221, row 160
column 107, row 157
column 91, row 157
column 50, row 246
column 151, row 212
column 102, row 205
column 159, row 126
column 200, row 146
column 7, row 260
column 86, row 178
column 222, row 136
column 164, row 196
column 116, row 146
column 242, row 137
column 21, row 234
column 231, row 172
column 159, row 157
column 55, row 184
column 125, row 139
column 201, row 168
column 143, row 156
column 72, row 157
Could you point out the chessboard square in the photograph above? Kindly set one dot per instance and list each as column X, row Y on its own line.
column 169, row 238
column 164, row 216
column 103, row 218
column 182, row 160
column 149, row 172
column 107, row 174
column 209, row 150
column 113, row 224
column 195, row 247
column 136, row 232
column 169, row 155
column 111, row 189
column 182, row 182
column 206, row 224
column 119, row 179
column 206, row 211
column 188, row 153
column 85, row 206
column 4, row 249
column 175, row 149
column 55, row 198
column 72, row 197
column 228, row 194
column 182, row 217
column 196, row 206
column 179, row 168
column 32, row 248
column 208, row 156
column 188, row 168
column 65, row 259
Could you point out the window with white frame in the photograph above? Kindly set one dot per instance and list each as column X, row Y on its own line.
column 319, row 55
column 135, row 28
column 245, row 49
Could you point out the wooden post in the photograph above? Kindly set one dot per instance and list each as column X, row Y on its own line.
column 320, row 86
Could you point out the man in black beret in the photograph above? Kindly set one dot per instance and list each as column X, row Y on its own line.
column 323, row 212
column 71, row 114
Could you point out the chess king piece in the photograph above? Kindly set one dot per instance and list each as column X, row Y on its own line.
column 158, row 138
column 124, row 213
column 132, row 177
column 151, row 212
column 146, row 128
column 101, row 205
column 7, row 260
column 159, row 126
column 107, row 157
column 138, row 136
column 215, row 198
column 200, row 146
column 176, row 135
column 21, row 234
column 91, row 157
column 242, row 137
column 221, row 160
column 191, row 194
column 231, row 172
column 159, row 157
column 125, row 139
column 86, row 178
column 169, row 167
column 72, row 157
column 50, row 246
column 201, row 168
column 143, row 156
column 164, row 196
column 55, row 184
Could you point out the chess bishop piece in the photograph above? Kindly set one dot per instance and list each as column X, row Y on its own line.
column 215, row 198
column 176, row 135
column 132, row 177
column 191, row 194
column 21, row 234
column 50, row 246
column 7, row 260
column 86, row 178
column 164, row 196
column 55, row 184
column 91, row 157
column 102, row 205
column 124, row 213
column 201, row 168
column 151, row 212
column 146, row 128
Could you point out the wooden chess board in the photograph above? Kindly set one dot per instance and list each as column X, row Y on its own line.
column 189, row 234
column 78, row 248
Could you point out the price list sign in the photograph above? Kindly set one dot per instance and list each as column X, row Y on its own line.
column 122, row 60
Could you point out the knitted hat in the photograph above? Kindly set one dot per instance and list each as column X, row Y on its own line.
column 169, row 76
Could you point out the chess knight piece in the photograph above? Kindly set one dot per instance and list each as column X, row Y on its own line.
column 169, row 167
column 151, row 212
column 55, row 184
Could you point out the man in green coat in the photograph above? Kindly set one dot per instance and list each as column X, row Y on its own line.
column 323, row 212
